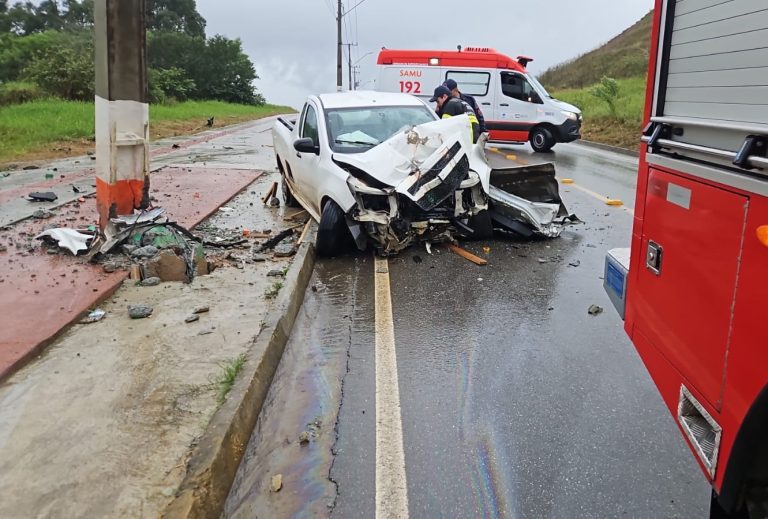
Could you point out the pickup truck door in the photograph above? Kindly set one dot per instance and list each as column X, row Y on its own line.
column 514, row 112
column 306, row 171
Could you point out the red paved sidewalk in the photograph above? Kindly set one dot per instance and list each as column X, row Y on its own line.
column 41, row 294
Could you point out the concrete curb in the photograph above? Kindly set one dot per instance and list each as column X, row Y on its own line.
column 215, row 459
column 607, row 147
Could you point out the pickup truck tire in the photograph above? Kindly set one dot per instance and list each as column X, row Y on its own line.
column 333, row 236
column 288, row 197
column 541, row 139
column 482, row 225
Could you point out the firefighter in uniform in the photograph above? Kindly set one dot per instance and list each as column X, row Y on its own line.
column 449, row 106
column 454, row 88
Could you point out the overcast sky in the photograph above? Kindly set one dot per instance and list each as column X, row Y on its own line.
column 293, row 43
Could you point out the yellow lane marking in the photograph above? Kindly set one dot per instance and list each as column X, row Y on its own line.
column 391, row 486
column 602, row 198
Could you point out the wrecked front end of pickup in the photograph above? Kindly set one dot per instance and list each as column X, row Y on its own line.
column 431, row 183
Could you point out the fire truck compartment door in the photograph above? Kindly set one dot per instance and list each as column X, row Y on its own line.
column 692, row 243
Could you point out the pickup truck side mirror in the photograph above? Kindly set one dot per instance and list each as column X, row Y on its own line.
column 306, row 145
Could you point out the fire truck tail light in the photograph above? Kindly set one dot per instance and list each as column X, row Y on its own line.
column 700, row 428
column 762, row 234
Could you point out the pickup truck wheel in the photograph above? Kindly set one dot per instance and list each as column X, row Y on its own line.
column 482, row 225
column 541, row 139
column 333, row 236
column 288, row 198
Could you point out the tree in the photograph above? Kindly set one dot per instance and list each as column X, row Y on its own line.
column 175, row 16
column 5, row 22
column 226, row 73
column 23, row 19
column 78, row 14
column 171, row 83
column 65, row 71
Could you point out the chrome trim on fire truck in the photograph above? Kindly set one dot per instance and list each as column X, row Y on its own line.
column 719, row 175
column 755, row 161
column 711, row 123
column 700, row 428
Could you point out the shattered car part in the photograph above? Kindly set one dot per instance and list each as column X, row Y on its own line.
column 527, row 196
column 425, row 182
column 69, row 239
column 142, row 217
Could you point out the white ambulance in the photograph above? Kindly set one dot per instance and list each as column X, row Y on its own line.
column 516, row 107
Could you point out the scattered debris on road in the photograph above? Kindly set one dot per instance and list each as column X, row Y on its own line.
column 140, row 311
column 276, row 484
column 47, row 196
column 467, row 255
column 595, row 310
column 70, row 239
column 192, row 318
column 94, row 316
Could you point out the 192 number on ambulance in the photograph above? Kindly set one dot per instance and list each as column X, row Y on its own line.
column 410, row 87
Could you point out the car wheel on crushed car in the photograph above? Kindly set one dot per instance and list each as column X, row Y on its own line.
column 288, row 198
column 333, row 237
column 482, row 225
column 541, row 139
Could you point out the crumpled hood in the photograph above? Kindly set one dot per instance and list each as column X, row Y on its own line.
column 413, row 150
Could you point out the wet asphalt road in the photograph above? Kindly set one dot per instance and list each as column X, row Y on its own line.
column 515, row 402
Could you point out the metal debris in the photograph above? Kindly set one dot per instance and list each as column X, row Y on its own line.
column 69, row 239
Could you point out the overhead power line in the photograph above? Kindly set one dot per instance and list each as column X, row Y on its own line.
column 355, row 6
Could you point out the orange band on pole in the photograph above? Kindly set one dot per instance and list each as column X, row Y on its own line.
column 120, row 198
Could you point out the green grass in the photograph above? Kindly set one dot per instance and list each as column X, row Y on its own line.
column 599, row 125
column 629, row 103
column 272, row 291
column 226, row 379
column 31, row 127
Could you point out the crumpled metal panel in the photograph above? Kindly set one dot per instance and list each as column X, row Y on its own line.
column 69, row 239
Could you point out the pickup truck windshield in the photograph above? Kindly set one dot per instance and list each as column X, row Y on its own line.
column 355, row 130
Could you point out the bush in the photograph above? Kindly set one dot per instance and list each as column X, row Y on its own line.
column 607, row 91
column 17, row 92
column 171, row 83
column 65, row 72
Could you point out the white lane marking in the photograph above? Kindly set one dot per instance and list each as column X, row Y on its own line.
column 391, row 486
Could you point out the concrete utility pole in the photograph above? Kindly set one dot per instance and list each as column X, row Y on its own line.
column 349, row 62
column 338, row 48
column 122, row 109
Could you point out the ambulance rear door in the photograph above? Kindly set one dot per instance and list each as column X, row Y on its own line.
column 418, row 80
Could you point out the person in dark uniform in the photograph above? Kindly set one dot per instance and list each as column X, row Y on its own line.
column 454, row 88
column 449, row 106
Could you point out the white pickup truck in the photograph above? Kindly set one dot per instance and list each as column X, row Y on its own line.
column 382, row 169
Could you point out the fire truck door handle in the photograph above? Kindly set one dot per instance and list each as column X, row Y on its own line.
column 653, row 257
column 486, row 104
column 504, row 104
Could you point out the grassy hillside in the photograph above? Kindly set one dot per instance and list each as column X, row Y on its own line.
column 51, row 128
column 625, row 56
column 625, row 59
column 599, row 125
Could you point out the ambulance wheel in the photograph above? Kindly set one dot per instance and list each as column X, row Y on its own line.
column 541, row 139
column 333, row 237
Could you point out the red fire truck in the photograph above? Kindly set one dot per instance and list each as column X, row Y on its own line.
column 694, row 297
